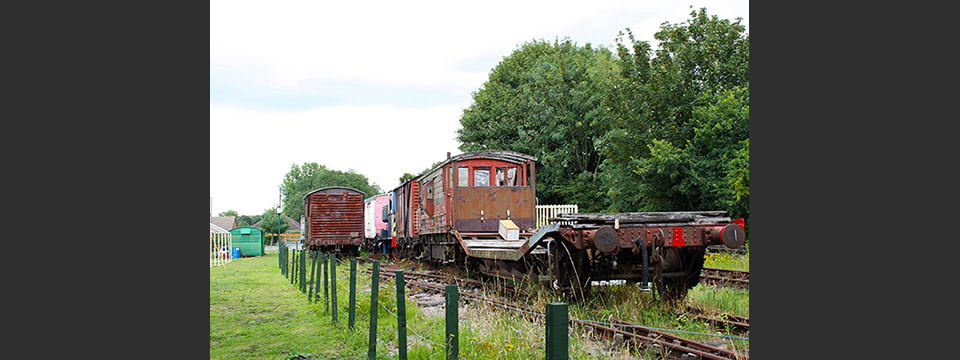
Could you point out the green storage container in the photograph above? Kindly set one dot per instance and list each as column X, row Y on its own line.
column 249, row 239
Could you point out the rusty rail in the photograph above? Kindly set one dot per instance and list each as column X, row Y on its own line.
column 667, row 345
column 735, row 324
column 728, row 278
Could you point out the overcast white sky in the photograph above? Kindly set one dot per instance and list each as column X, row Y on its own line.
column 340, row 82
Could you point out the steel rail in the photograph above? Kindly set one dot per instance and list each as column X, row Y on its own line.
column 671, row 346
column 728, row 278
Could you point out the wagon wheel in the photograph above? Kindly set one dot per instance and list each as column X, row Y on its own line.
column 568, row 269
column 675, row 289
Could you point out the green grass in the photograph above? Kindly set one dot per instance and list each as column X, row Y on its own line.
column 727, row 260
column 255, row 313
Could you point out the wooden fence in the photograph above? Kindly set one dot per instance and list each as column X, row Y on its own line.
column 287, row 238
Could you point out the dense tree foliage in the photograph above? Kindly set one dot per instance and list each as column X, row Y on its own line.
column 228, row 213
column 641, row 130
column 303, row 179
column 544, row 100
column 248, row 220
column 269, row 223
column 405, row 177
column 679, row 120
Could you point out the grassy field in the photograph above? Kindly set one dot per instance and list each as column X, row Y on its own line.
column 255, row 313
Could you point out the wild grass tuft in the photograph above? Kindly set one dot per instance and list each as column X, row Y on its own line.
column 727, row 260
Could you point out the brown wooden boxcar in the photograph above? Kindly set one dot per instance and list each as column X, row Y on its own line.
column 465, row 195
column 333, row 219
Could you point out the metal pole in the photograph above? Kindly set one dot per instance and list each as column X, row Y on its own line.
column 293, row 266
column 316, row 284
column 374, row 294
column 401, row 317
column 326, row 291
column 556, row 331
column 303, row 271
column 333, row 284
column 313, row 272
column 353, row 292
column 453, row 327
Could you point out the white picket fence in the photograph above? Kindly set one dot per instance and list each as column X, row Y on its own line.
column 221, row 243
column 545, row 212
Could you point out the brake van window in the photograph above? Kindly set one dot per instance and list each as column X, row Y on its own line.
column 481, row 177
column 463, row 176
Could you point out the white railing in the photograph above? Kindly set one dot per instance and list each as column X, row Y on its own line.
column 545, row 212
column 221, row 248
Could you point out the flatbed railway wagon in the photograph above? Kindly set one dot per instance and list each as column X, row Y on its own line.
column 664, row 251
column 333, row 219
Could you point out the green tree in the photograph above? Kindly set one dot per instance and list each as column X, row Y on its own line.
column 269, row 223
column 679, row 120
column 545, row 99
column 405, row 177
column 301, row 180
column 247, row 219
column 228, row 213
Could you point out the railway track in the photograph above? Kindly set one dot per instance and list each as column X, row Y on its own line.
column 735, row 324
column 728, row 278
column 624, row 333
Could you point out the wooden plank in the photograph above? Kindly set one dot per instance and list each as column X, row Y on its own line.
column 700, row 217
column 493, row 244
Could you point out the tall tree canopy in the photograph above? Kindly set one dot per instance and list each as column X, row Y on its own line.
column 311, row 176
column 249, row 220
column 544, row 100
column 679, row 120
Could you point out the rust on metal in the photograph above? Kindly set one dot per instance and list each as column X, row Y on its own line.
column 495, row 202
column 334, row 216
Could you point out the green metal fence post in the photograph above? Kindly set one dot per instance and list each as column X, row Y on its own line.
column 353, row 293
column 293, row 267
column 316, row 284
column 453, row 327
column 401, row 317
column 303, row 271
column 556, row 331
column 333, row 285
column 374, row 294
column 326, row 291
column 313, row 271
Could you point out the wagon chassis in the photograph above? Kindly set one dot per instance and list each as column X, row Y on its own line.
column 662, row 251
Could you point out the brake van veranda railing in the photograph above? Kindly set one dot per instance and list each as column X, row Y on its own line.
column 545, row 212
